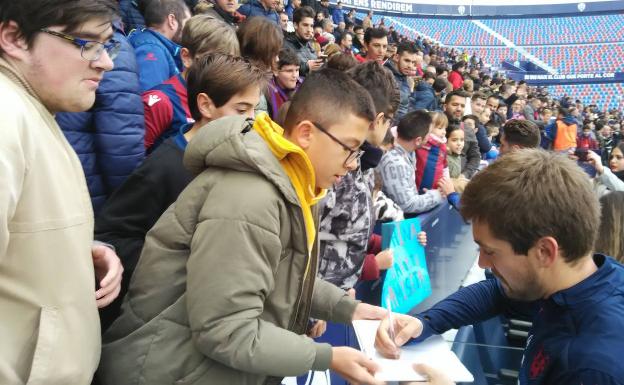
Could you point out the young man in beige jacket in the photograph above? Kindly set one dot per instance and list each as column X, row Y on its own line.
column 53, row 55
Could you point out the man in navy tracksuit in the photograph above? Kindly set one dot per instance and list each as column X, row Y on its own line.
column 540, row 252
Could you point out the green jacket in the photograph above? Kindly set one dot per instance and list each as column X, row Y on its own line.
column 219, row 295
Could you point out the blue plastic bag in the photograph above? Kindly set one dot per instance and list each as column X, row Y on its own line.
column 407, row 282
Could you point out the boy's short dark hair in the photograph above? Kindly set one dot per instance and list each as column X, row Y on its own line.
column 303, row 12
column 220, row 77
column 474, row 118
column 155, row 12
column 532, row 189
column 439, row 84
column 522, row 133
column 406, row 46
column 380, row 83
column 342, row 62
column 31, row 16
column 374, row 33
column 326, row 97
column 414, row 124
column 357, row 28
column 287, row 57
column 440, row 69
column 459, row 65
column 479, row 95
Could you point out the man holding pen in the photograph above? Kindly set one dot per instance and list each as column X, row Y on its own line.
column 540, row 252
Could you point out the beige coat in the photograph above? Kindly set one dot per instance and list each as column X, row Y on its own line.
column 49, row 325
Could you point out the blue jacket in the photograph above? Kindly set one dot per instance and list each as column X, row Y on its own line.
column 424, row 97
column 158, row 58
column 255, row 8
column 404, row 89
column 130, row 15
column 576, row 336
column 109, row 137
column 484, row 142
column 337, row 15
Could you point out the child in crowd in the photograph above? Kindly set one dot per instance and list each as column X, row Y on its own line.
column 218, row 85
column 227, row 280
column 347, row 218
column 397, row 167
column 456, row 160
column 284, row 82
column 502, row 112
column 586, row 140
column 493, row 130
column 431, row 164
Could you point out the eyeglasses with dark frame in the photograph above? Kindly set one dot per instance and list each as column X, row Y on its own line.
column 90, row 50
column 354, row 154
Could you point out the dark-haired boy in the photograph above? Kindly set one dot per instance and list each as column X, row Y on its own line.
column 227, row 280
column 397, row 167
column 347, row 218
column 376, row 44
column 284, row 82
column 218, row 86
column 50, row 330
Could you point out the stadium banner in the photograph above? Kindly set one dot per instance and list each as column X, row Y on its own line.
column 494, row 8
column 582, row 78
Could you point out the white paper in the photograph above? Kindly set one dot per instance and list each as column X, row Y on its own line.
column 434, row 352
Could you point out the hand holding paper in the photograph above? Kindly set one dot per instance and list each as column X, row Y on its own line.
column 354, row 366
column 405, row 328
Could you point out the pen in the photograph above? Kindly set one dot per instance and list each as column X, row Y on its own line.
column 390, row 319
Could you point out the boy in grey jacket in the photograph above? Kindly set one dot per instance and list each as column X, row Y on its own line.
column 398, row 167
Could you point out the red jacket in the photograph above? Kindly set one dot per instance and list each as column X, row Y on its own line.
column 456, row 79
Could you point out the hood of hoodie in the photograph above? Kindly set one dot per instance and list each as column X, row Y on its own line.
column 231, row 143
column 241, row 144
column 423, row 86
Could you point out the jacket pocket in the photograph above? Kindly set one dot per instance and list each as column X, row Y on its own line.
column 44, row 347
column 196, row 374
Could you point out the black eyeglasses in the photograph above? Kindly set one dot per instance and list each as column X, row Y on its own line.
column 353, row 154
column 90, row 50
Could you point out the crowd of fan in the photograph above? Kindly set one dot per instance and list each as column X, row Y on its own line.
column 437, row 118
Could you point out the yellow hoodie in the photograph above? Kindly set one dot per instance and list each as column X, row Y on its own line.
column 297, row 166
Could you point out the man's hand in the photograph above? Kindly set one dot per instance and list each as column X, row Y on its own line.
column 318, row 329
column 315, row 64
column 365, row 311
column 354, row 366
column 445, row 185
column 405, row 327
column 385, row 259
column 108, row 273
